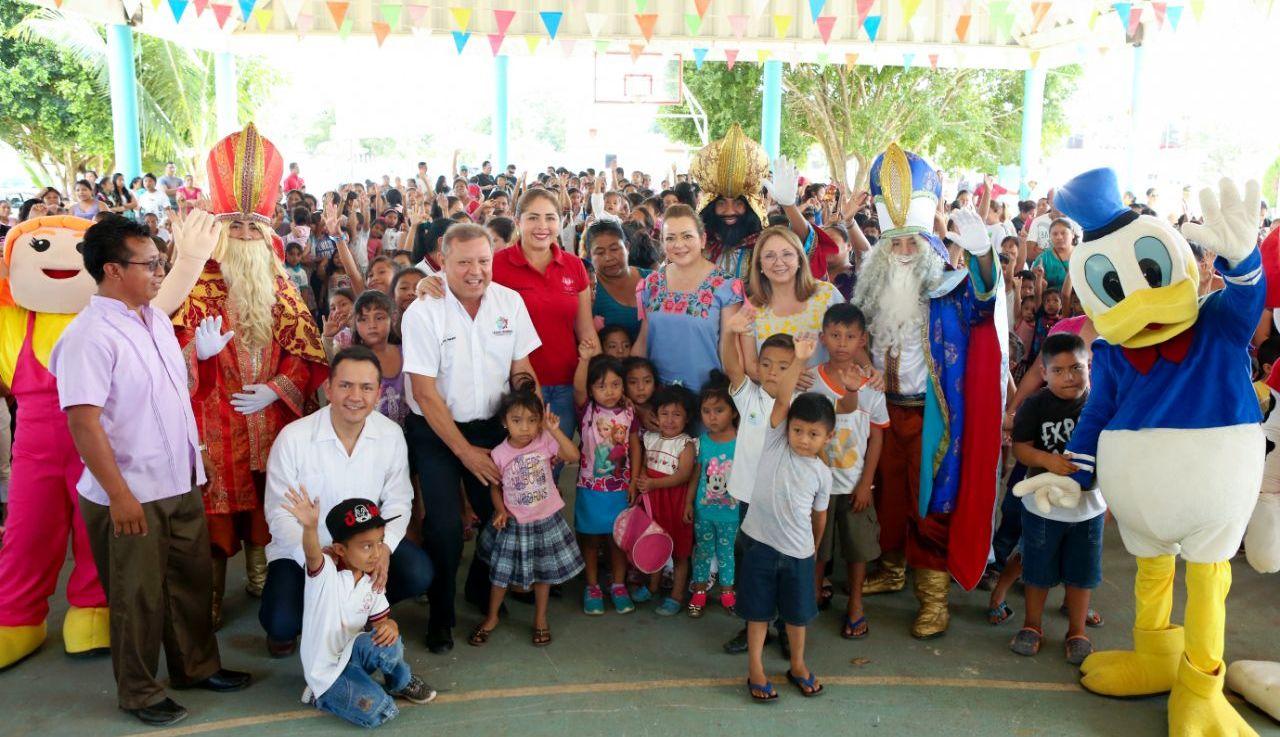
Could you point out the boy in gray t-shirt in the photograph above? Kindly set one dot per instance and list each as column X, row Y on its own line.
column 784, row 522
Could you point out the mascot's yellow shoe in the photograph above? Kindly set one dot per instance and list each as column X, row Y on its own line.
column 1197, row 707
column 17, row 643
column 1150, row 668
column 87, row 631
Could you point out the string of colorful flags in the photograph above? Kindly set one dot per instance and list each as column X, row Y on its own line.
column 866, row 21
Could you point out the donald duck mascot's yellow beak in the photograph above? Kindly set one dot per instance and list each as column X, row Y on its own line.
column 1170, row 432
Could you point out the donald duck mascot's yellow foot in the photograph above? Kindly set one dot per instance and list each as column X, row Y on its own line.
column 87, row 631
column 1170, row 432
column 17, row 643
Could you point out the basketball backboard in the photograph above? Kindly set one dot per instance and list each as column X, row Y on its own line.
column 646, row 79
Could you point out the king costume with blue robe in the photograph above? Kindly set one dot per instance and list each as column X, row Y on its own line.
column 939, row 469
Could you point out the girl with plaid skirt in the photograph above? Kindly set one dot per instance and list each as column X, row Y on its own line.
column 527, row 544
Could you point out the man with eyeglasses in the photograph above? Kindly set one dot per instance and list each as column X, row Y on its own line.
column 122, row 381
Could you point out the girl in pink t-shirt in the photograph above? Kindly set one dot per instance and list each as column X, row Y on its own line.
column 528, row 544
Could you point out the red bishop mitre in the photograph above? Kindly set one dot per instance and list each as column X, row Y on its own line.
column 244, row 177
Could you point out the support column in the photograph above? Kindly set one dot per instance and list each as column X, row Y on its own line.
column 124, row 100
column 500, row 115
column 225, row 95
column 771, row 111
column 1138, row 133
column 1032, row 126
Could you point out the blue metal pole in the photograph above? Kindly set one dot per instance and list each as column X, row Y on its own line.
column 1032, row 126
column 500, row 114
column 1137, row 131
column 771, row 111
column 124, row 100
column 226, row 99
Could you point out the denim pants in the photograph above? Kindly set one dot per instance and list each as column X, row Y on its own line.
column 359, row 699
column 559, row 399
column 1009, row 532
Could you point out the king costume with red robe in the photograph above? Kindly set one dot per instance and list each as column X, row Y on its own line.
column 244, row 172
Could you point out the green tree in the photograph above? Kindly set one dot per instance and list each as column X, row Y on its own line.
column 729, row 96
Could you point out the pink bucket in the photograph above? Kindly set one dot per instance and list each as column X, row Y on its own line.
column 646, row 544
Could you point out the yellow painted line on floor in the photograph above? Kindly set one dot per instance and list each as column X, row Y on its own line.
column 569, row 689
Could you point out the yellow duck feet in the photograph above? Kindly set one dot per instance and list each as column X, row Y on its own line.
column 1150, row 668
column 87, row 631
column 1198, row 708
column 17, row 643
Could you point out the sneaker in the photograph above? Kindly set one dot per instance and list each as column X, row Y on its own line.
column 416, row 690
column 593, row 601
column 668, row 608
column 308, row 696
column 728, row 600
column 641, row 594
column 621, row 601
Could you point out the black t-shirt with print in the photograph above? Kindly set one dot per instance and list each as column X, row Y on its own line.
column 1046, row 421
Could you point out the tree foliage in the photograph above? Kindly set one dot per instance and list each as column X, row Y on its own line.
column 959, row 118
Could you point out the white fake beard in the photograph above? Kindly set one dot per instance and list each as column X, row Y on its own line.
column 900, row 314
column 249, row 269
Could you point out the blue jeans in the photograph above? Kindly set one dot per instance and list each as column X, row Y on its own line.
column 1009, row 532
column 559, row 399
column 1056, row 552
column 359, row 699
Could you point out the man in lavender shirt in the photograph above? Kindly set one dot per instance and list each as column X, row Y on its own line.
column 122, row 381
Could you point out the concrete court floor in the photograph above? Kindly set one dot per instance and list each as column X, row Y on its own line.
column 640, row 674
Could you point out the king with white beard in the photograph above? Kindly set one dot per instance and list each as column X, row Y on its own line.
column 934, row 339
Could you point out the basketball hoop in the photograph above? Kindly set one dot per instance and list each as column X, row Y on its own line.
column 648, row 79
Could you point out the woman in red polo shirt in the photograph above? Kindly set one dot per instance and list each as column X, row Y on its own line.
column 555, row 289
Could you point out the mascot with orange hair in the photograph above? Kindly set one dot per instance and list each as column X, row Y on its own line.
column 245, row 395
column 44, row 286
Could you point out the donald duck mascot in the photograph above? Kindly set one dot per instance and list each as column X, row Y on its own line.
column 1171, row 431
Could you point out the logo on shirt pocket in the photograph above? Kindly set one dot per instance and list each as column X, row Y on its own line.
column 501, row 326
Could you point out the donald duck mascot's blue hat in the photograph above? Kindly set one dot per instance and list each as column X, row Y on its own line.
column 1092, row 200
column 906, row 190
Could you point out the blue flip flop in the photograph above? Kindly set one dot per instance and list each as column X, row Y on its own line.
column 851, row 626
column 765, row 688
column 809, row 687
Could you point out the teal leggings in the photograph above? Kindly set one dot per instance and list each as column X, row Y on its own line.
column 713, row 541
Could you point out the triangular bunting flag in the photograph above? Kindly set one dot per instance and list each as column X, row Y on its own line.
column 200, row 6
column 864, row 7
column 701, row 6
column 850, row 61
column 246, row 9
column 1159, row 10
column 417, row 13
column 1093, row 18
column 531, row 43
column 1197, row 9
column 502, row 19
column 460, row 39
column 177, row 7
column 909, row 8
column 781, row 24
column 823, row 58
column 495, row 42
column 1038, row 12
column 1001, row 18
column 381, row 29
column 761, row 6
column 962, row 26
column 291, row 10
column 636, row 50
column 595, row 22
column 699, row 57
column 738, row 24
column 933, row 62
column 337, row 11
column 551, row 20
column 692, row 23
column 815, row 8
column 567, row 45
column 646, row 21
column 1122, row 13
column 155, row 4
column 345, row 29
column 306, row 22
column 907, row 58
column 872, row 25
column 1035, row 59
column 642, row 5
column 391, row 14
column 1135, row 19
column 264, row 17
column 762, row 56
column 731, row 57
column 461, row 17
column 602, row 47
column 825, row 24
column 221, row 13
column 1174, row 14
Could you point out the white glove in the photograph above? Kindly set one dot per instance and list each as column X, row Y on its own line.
column 1230, row 226
column 210, row 340
column 785, row 183
column 195, row 235
column 257, row 398
column 1051, row 491
column 1262, row 538
column 973, row 235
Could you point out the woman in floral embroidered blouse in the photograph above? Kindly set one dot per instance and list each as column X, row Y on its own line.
column 684, row 304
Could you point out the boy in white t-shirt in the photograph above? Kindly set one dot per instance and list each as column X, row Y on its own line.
column 347, row 631
column 852, row 455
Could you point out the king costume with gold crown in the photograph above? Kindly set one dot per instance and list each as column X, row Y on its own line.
column 935, row 337
column 46, row 286
column 1170, row 430
column 244, row 395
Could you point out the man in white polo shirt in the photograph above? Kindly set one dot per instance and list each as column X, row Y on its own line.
column 345, row 450
column 460, row 352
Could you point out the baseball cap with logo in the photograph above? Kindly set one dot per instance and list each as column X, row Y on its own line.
column 350, row 517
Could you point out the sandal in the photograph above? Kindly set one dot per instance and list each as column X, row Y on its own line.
column 1027, row 641
column 1077, row 649
column 809, row 687
column 762, row 692
column 999, row 614
column 729, row 601
column 850, row 629
column 541, row 636
column 1092, row 619
column 697, row 603
column 825, row 595
column 479, row 636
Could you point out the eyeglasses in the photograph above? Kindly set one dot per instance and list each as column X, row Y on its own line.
column 785, row 257
column 151, row 265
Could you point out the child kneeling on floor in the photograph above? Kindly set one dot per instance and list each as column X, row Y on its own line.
column 1059, row 545
column 785, row 520
column 339, row 656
